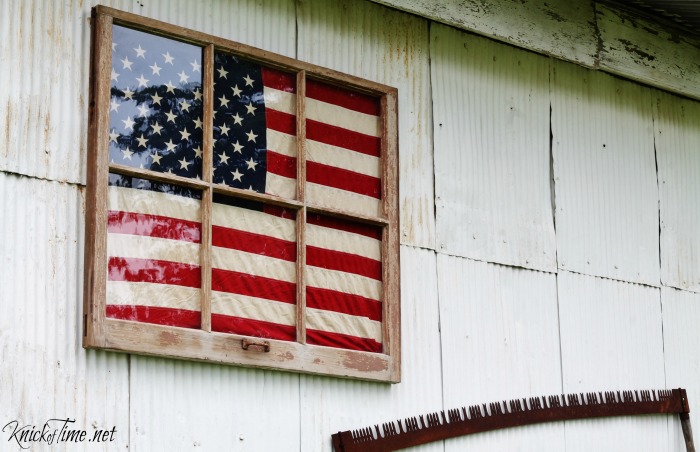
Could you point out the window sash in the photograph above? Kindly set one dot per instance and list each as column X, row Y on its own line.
column 203, row 344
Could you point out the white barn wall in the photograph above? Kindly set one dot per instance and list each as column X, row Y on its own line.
column 492, row 163
column 607, row 213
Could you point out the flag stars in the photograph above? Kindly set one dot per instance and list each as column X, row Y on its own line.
column 237, row 147
column 143, row 110
column 170, row 87
column 224, row 129
column 236, row 175
column 222, row 72
column 185, row 106
column 184, row 164
column 185, row 135
column 170, row 145
column 198, row 152
column 197, row 123
column 113, row 135
column 251, row 164
column 128, row 123
column 156, row 128
column 197, row 94
column 128, row 94
column 248, row 80
column 156, row 69
column 168, row 59
column 114, row 76
column 250, row 108
column 237, row 119
column 224, row 101
column 142, row 141
column 251, row 136
column 126, row 64
column 171, row 116
column 195, row 66
column 183, row 77
column 223, row 158
column 236, row 91
column 140, row 52
column 143, row 81
column 127, row 153
column 114, row 106
column 156, row 99
column 156, row 158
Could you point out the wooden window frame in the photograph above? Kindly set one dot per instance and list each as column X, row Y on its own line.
column 102, row 332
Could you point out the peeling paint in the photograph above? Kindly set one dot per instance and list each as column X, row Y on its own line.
column 364, row 363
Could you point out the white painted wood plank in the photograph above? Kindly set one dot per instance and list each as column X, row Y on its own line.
column 561, row 28
column 500, row 340
column 389, row 47
column 45, row 372
column 611, row 339
column 492, row 163
column 605, row 176
column 677, row 135
column 330, row 405
column 681, row 313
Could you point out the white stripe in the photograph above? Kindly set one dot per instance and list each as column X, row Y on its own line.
column 125, row 293
column 336, row 322
column 153, row 203
column 343, row 158
column 253, row 264
column 346, row 242
column 344, row 200
column 340, row 281
column 342, row 117
column 144, row 247
column 282, row 143
column 253, row 308
column 280, row 186
column 253, row 221
column 283, row 101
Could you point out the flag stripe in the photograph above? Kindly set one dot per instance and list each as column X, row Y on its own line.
column 140, row 247
column 336, row 340
column 153, row 226
column 341, row 158
column 153, row 271
column 281, row 122
column 282, row 165
column 280, row 100
column 283, row 81
column 342, row 117
column 343, row 97
column 281, row 143
column 337, row 136
column 251, row 242
column 281, row 186
column 253, row 264
column 269, row 223
column 249, row 327
column 237, row 305
column 254, row 286
column 333, row 197
column 343, row 179
column 343, row 241
column 342, row 302
column 344, row 282
column 153, row 203
column 160, row 316
column 373, row 232
column 125, row 293
column 346, row 262
column 344, row 324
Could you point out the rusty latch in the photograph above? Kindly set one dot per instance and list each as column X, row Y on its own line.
column 414, row 431
column 263, row 346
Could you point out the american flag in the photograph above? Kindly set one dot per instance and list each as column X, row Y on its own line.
column 153, row 243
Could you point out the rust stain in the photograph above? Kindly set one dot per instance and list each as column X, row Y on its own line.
column 287, row 356
column 167, row 338
column 365, row 363
column 318, row 361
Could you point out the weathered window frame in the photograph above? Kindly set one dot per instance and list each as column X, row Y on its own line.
column 151, row 339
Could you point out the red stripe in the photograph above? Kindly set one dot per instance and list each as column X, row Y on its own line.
column 343, row 98
column 153, row 271
column 254, row 286
column 373, row 232
column 281, row 212
column 250, row 327
column 161, row 316
column 330, row 300
column 280, row 121
column 281, row 164
column 344, row 138
column 153, row 226
column 343, row 179
column 283, row 81
column 251, row 242
column 337, row 340
column 344, row 262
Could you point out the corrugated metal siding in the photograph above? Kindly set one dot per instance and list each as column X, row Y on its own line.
column 677, row 129
column 681, row 318
column 500, row 340
column 179, row 405
column 611, row 338
column 329, row 405
column 491, row 151
column 389, row 47
column 607, row 215
column 45, row 373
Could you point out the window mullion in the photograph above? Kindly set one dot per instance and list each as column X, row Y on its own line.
column 207, row 195
column 301, row 214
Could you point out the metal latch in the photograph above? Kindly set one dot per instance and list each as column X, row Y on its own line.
column 263, row 346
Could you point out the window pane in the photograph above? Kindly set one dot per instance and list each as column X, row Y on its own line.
column 153, row 246
column 344, row 284
column 156, row 104
column 253, row 269
column 254, row 127
column 343, row 146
